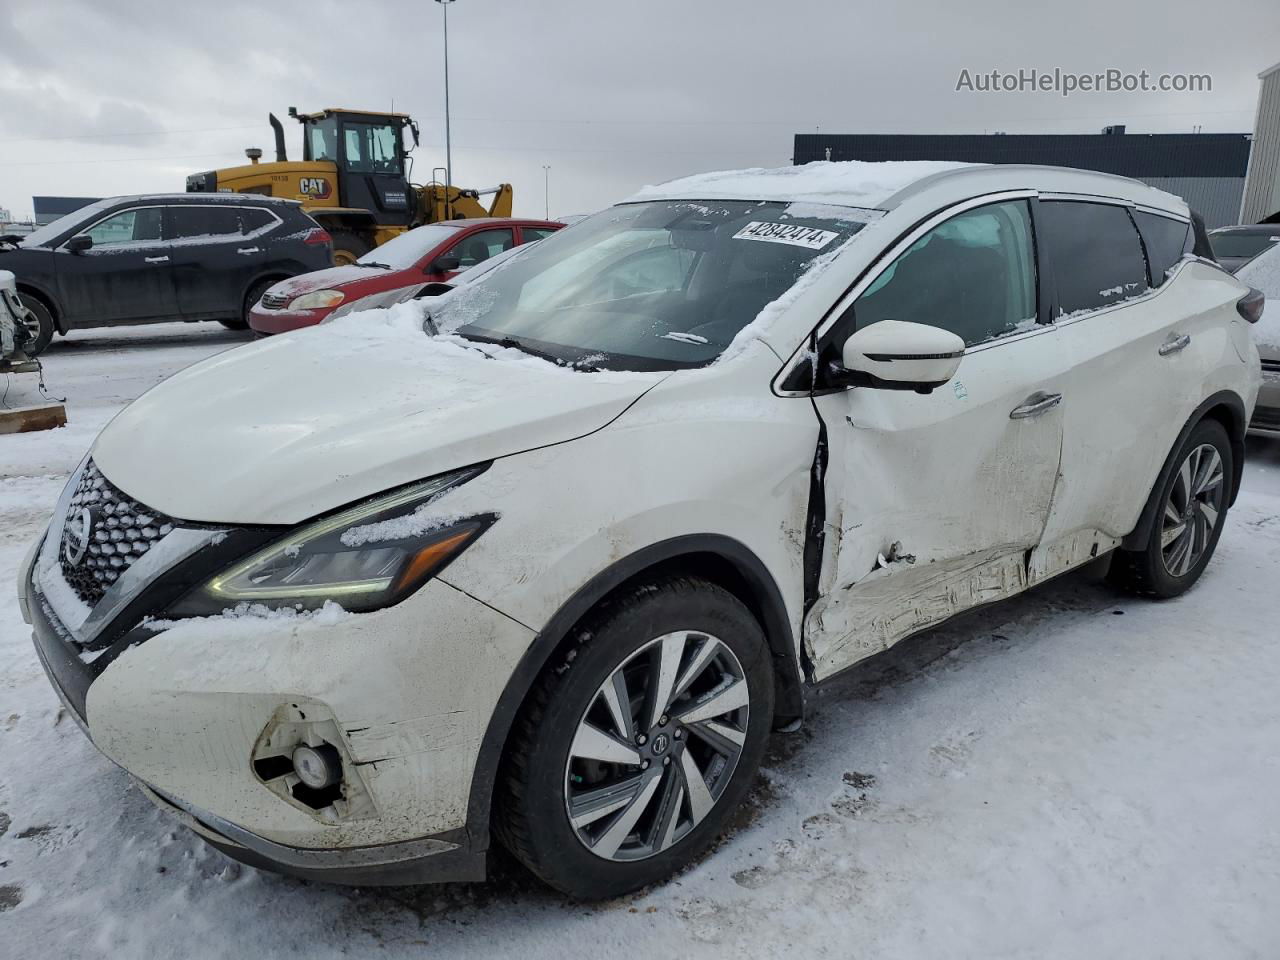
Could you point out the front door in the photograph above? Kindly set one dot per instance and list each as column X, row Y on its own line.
column 126, row 276
column 933, row 501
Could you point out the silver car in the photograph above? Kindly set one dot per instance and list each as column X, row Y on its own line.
column 1263, row 273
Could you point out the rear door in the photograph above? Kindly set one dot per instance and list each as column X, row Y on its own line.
column 126, row 276
column 933, row 500
column 217, row 252
column 1135, row 355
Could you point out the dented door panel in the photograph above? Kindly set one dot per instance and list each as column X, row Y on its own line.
column 933, row 501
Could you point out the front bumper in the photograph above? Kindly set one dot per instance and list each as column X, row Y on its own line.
column 268, row 322
column 1266, row 414
column 185, row 710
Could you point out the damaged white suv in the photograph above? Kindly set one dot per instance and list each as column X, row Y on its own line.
column 547, row 564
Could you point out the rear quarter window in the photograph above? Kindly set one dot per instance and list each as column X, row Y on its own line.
column 1165, row 239
column 1096, row 254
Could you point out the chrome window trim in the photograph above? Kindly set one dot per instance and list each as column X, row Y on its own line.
column 880, row 264
column 1050, row 195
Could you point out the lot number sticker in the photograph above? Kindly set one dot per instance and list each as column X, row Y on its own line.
column 793, row 234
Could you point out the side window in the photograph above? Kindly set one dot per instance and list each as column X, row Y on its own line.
column 535, row 233
column 1097, row 256
column 203, row 223
column 128, row 226
column 1164, row 239
column 252, row 220
column 479, row 247
column 974, row 275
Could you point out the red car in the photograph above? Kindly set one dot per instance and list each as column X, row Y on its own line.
column 436, row 252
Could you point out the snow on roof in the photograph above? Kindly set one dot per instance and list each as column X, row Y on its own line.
column 849, row 183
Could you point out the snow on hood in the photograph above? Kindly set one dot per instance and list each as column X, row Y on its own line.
column 325, row 279
column 1263, row 272
column 283, row 429
column 850, row 183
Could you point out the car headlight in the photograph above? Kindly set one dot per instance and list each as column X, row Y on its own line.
column 317, row 300
column 363, row 558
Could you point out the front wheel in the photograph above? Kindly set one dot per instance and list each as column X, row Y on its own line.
column 636, row 746
column 1191, row 508
column 39, row 324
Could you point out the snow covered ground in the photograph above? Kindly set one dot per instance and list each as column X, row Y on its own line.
column 1072, row 774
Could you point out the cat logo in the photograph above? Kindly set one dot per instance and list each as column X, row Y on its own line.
column 314, row 188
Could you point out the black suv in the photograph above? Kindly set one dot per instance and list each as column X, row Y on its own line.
column 161, row 257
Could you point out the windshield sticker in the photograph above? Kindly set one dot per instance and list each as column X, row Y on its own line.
column 793, row 234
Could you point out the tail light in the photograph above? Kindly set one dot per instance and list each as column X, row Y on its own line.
column 317, row 236
column 1250, row 305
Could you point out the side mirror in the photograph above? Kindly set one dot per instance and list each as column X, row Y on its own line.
column 444, row 264
column 895, row 355
column 79, row 244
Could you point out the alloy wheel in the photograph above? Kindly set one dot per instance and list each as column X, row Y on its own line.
column 656, row 746
column 1191, row 510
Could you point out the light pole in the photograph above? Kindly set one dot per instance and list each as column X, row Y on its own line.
column 546, row 191
column 448, row 145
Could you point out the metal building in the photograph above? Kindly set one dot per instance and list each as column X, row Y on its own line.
column 49, row 209
column 1205, row 169
column 1262, row 186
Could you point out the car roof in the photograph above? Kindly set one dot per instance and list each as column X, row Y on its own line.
column 496, row 221
column 1271, row 228
column 888, row 185
column 203, row 198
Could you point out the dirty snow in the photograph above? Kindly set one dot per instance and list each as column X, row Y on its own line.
column 849, row 183
column 1263, row 272
column 1071, row 774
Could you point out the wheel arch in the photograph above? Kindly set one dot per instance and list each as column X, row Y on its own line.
column 1227, row 408
column 720, row 559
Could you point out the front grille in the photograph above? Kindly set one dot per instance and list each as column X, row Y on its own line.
column 275, row 301
column 103, row 533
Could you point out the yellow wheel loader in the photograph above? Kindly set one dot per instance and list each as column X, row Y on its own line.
column 354, row 179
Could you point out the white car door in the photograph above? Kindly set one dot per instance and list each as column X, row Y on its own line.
column 934, row 500
column 1136, row 349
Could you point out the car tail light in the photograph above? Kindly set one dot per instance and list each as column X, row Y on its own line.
column 1250, row 305
column 316, row 236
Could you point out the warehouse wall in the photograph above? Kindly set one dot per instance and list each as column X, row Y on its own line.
column 1217, row 199
column 1262, row 184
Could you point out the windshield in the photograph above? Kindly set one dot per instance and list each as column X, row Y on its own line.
column 51, row 231
column 1241, row 244
column 408, row 248
column 648, row 286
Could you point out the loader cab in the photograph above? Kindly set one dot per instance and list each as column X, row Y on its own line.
column 372, row 160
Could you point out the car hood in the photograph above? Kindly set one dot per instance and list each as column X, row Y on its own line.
column 333, row 278
column 278, row 431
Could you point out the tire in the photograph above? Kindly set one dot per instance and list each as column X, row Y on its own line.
column 661, row 826
column 1186, row 530
column 348, row 247
column 253, row 296
column 41, row 327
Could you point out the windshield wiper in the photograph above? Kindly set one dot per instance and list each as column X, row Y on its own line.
column 512, row 343
column 374, row 263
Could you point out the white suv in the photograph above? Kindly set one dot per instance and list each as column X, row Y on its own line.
column 548, row 563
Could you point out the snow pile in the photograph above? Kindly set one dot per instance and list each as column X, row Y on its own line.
column 850, row 183
column 416, row 524
column 1263, row 272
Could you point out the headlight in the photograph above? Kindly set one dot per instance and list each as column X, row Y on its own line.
column 317, row 300
column 363, row 558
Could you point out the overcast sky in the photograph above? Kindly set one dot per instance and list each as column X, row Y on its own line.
column 129, row 96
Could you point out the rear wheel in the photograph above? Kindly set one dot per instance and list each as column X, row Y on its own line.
column 638, row 744
column 1191, row 507
column 39, row 323
column 348, row 247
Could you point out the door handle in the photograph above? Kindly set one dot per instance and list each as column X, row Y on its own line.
column 1174, row 344
column 1036, row 404
column 156, row 259
column 249, row 250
